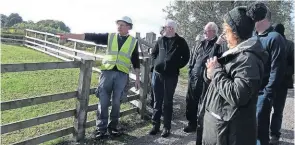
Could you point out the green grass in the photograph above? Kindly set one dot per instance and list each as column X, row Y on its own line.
column 184, row 73
column 21, row 85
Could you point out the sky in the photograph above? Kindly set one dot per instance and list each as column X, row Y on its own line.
column 97, row 16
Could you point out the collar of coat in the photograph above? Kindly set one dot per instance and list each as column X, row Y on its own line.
column 241, row 47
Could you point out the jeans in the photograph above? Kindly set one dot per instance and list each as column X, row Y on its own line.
column 152, row 92
column 278, row 107
column 263, row 111
column 164, row 88
column 111, row 84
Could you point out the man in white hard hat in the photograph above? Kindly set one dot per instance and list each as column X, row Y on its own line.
column 122, row 50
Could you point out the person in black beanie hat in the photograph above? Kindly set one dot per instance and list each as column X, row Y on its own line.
column 274, row 44
column 279, row 101
column 230, row 101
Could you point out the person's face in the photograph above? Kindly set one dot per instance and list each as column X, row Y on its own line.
column 122, row 27
column 209, row 33
column 229, row 36
column 169, row 30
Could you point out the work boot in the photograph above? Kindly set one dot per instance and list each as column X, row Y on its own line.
column 190, row 128
column 165, row 133
column 274, row 140
column 154, row 130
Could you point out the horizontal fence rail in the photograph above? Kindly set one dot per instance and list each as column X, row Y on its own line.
column 38, row 66
column 14, row 104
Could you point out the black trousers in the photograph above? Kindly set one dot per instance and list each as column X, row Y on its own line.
column 164, row 88
column 196, row 89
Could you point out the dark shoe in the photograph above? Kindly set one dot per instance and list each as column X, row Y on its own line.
column 114, row 131
column 274, row 140
column 190, row 128
column 165, row 133
column 99, row 135
column 154, row 130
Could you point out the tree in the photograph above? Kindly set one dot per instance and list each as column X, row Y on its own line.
column 3, row 20
column 12, row 19
column 192, row 16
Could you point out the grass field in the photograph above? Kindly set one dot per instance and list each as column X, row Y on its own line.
column 30, row 84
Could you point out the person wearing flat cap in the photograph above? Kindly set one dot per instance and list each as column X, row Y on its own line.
column 275, row 68
column 230, row 101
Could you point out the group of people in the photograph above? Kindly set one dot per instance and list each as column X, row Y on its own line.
column 235, row 79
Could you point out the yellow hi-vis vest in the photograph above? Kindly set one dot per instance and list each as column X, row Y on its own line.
column 121, row 59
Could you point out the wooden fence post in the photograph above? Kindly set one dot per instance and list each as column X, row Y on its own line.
column 58, row 42
column 75, row 47
column 45, row 39
column 144, row 86
column 82, row 100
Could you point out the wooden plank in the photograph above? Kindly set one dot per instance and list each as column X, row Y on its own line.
column 36, row 121
column 38, row 66
column 46, row 52
column 83, row 99
column 47, row 137
column 145, row 43
column 67, row 48
column 128, row 99
column 55, row 50
column 10, row 39
column 36, row 100
column 122, row 114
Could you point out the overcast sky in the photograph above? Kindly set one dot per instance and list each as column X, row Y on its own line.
column 91, row 15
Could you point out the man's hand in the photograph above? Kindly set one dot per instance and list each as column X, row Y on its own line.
column 221, row 39
column 211, row 64
column 137, row 83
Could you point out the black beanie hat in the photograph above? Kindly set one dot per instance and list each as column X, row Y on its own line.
column 240, row 22
column 280, row 29
column 257, row 11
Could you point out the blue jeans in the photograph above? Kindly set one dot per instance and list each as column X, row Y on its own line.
column 263, row 118
column 278, row 107
column 111, row 84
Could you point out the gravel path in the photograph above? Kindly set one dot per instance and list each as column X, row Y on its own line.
column 178, row 137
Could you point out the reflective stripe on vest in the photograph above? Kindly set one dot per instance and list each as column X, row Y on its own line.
column 121, row 58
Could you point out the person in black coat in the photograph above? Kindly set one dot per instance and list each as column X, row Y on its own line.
column 196, row 86
column 171, row 53
column 235, row 79
column 280, row 99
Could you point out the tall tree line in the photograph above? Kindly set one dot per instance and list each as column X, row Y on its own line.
column 192, row 16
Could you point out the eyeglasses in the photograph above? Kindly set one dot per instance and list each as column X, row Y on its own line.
column 205, row 32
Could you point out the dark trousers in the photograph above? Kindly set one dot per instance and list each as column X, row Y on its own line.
column 164, row 88
column 278, row 107
column 152, row 92
column 263, row 110
column 194, row 93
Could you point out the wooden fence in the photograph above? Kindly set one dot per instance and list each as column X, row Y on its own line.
column 74, row 58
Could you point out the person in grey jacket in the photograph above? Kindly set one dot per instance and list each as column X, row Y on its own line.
column 236, row 76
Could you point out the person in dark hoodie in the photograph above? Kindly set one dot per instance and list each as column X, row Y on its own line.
column 171, row 53
column 274, row 44
column 280, row 99
column 230, row 101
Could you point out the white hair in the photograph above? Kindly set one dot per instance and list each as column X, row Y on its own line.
column 171, row 23
column 213, row 26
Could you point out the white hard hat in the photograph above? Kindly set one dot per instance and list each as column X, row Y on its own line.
column 125, row 19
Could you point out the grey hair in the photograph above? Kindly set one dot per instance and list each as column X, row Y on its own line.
column 213, row 26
